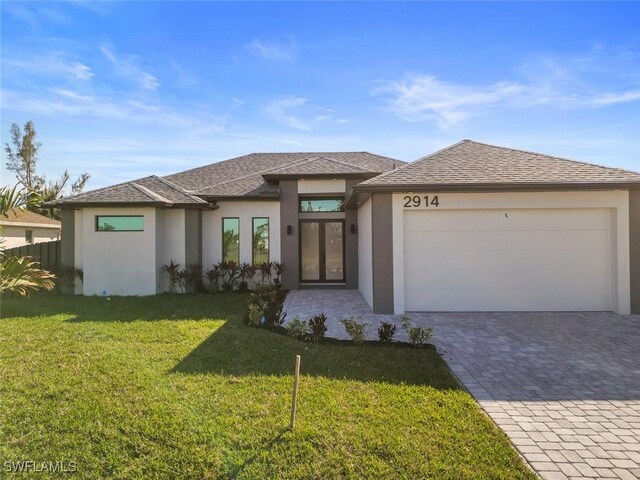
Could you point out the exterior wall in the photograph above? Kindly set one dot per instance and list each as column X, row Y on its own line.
column 351, row 242
column 382, row 246
column 116, row 263
column 170, row 243
column 245, row 211
column 634, row 244
column 15, row 236
column 78, row 246
column 290, row 241
column 616, row 201
column 321, row 186
column 365, row 252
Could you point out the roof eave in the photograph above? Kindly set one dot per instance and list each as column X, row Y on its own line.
column 299, row 176
column 106, row 204
column 494, row 187
column 239, row 198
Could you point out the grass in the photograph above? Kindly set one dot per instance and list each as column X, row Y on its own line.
column 179, row 387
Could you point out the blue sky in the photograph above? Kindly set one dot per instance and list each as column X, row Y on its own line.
column 127, row 89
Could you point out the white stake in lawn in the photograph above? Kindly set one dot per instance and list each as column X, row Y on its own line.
column 295, row 392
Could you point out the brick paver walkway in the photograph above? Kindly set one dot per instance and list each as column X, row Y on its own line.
column 565, row 387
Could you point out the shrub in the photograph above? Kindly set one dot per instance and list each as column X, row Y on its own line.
column 265, row 271
column 266, row 303
column 255, row 313
column 318, row 327
column 279, row 269
column 355, row 329
column 298, row 329
column 230, row 275
column 193, row 278
column 418, row 336
column 247, row 272
column 66, row 277
column 213, row 278
column 176, row 276
column 386, row 331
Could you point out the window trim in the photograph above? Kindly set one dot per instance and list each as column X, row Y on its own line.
column 319, row 198
column 118, row 216
column 222, row 238
column 26, row 239
column 253, row 250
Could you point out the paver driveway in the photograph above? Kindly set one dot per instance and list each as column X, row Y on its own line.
column 565, row 387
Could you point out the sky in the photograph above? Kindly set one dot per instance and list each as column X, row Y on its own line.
column 127, row 89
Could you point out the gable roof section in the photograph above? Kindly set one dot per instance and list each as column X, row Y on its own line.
column 150, row 190
column 18, row 217
column 245, row 176
column 471, row 164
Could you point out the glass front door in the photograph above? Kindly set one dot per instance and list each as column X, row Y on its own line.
column 322, row 251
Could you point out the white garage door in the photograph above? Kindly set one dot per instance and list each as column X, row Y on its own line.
column 507, row 260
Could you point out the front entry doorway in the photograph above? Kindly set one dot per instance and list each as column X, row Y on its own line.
column 322, row 251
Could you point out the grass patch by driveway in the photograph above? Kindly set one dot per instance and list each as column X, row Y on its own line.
column 179, row 387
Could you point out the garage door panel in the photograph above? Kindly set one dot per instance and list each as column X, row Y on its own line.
column 530, row 278
column 507, row 240
column 510, row 300
column 510, row 260
column 538, row 260
column 519, row 219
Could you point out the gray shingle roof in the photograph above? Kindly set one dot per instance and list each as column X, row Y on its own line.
column 318, row 166
column 243, row 176
column 147, row 190
column 237, row 177
column 472, row 163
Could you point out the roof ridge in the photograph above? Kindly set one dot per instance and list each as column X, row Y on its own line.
column 329, row 159
column 150, row 193
column 101, row 189
column 420, row 160
column 335, row 160
column 178, row 188
column 299, row 162
column 581, row 162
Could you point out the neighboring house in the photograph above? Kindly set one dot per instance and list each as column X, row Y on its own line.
column 25, row 228
column 472, row 227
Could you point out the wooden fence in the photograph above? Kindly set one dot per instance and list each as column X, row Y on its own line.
column 46, row 253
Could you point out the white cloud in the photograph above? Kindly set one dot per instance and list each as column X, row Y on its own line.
column 595, row 79
column 236, row 102
column 276, row 51
column 295, row 112
column 64, row 101
column 127, row 67
column 422, row 97
column 52, row 64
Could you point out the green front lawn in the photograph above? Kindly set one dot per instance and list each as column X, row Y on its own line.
column 179, row 387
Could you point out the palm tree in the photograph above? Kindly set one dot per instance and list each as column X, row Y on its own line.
column 20, row 275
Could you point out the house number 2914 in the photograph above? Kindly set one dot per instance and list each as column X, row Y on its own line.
column 411, row 201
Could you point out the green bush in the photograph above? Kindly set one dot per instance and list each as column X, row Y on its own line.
column 265, row 304
column 317, row 327
column 418, row 336
column 298, row 329
column 386, row 331
column 355, row 328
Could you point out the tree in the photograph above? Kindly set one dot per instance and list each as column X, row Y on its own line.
column 22, row 160
column 20, row 274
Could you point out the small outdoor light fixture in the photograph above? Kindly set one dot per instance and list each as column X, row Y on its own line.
column 352, row 228
column 289, row 229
